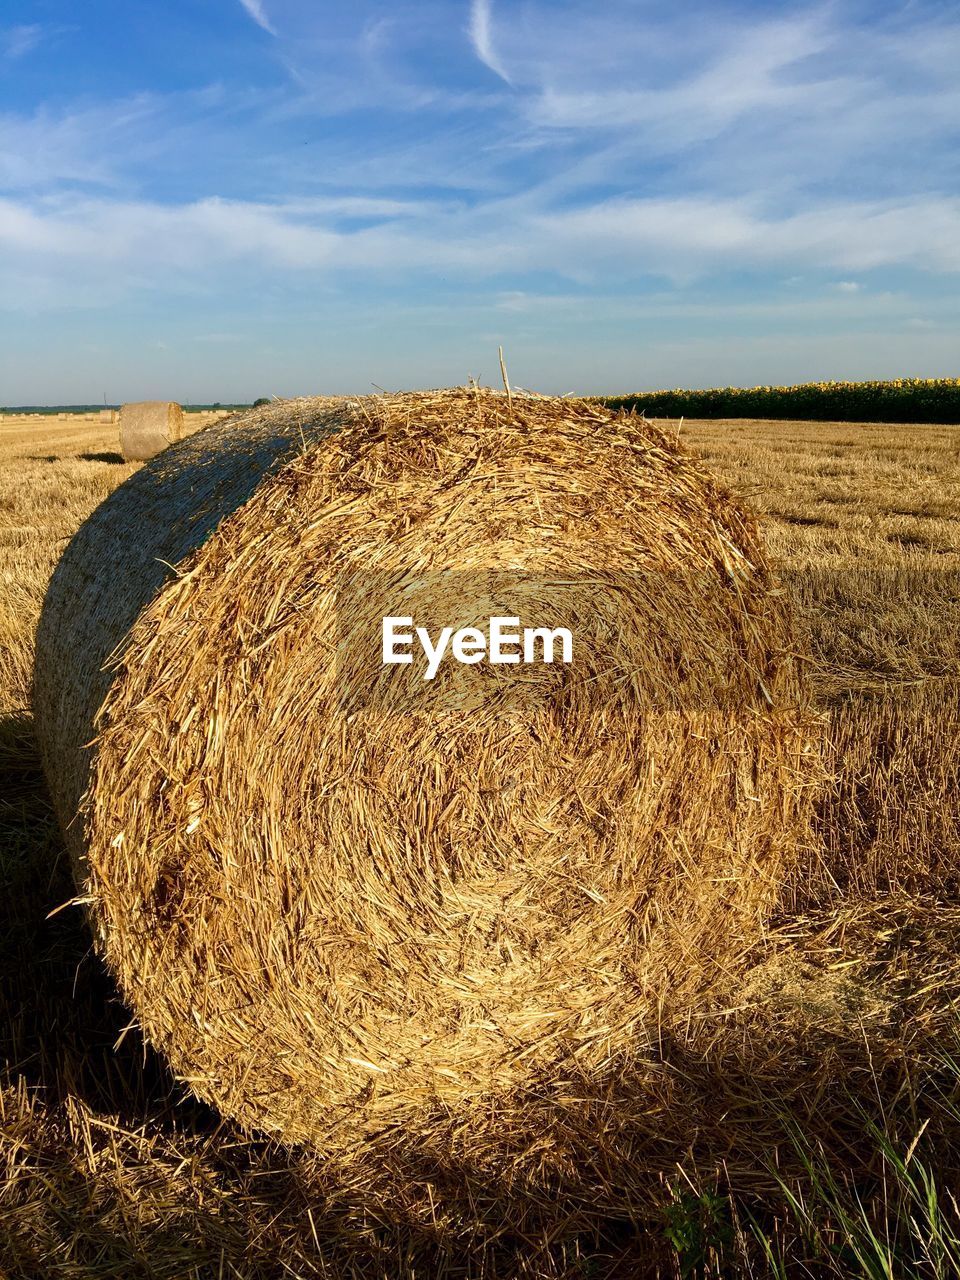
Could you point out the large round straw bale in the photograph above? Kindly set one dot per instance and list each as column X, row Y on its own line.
column 147, row 427
column 379, row 914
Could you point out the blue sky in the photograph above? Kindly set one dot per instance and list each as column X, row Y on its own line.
column 232, row 198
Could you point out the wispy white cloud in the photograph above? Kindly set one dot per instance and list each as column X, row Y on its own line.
column 735, row 104
column 481, row 37
column 686, row 237
column 747, row 71
column 89, row 145
column 146, row 245
column 16, row 42
column 152, row 238
column 256, row 11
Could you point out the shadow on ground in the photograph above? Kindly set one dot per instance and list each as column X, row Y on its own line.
column 60, row 1015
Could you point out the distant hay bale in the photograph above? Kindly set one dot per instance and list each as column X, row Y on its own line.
column 108, row 415
column 147, row 427
column 410, row 922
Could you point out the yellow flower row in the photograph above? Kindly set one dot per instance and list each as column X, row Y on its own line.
column 895, row 400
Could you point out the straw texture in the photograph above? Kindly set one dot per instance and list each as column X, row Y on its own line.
column 409, row 923
column 147, row 427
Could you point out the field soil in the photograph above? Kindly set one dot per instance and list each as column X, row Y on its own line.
column 840, row 1026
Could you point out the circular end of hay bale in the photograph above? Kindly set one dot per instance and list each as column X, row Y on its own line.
column 361, row 909
column 147, row 427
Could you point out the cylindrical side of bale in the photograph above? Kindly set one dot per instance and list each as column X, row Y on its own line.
column 108, row 415
column 402, row 919
column 147, row 427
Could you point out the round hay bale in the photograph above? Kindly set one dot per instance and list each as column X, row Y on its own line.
column 147, row 427
column 389, row 916
column 108, row 416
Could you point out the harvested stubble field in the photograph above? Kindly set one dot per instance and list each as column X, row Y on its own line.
column 806, row 1122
